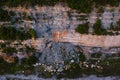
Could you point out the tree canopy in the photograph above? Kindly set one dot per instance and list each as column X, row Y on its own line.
column 82, row 28
column 11, row 33
column 82, row 5
column 98, row 30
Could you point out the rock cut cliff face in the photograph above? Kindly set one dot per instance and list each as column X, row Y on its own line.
column 46, row 20
column 55, row 18
column 87, row 40
column 48, row 23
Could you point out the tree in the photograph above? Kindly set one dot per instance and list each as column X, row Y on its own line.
column 82, row 57
column 9, row 50
column 32, row 33
column 29, row 61
column 118, row 24
column 11, row 33
column 98, row 30
column 4, row 15
column 82, row 28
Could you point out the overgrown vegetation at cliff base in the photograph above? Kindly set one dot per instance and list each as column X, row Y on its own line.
column 24, row 66
column 12, row 33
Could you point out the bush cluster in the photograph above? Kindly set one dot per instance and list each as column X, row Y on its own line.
column 82, row 5
column 12, row 33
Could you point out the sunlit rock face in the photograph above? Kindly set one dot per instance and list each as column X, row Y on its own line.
column 59, row 53
column 87, row 40
column 45, row 20
column 48, row 21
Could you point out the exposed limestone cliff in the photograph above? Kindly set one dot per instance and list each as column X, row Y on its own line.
column 87, row 40
column 51, row 24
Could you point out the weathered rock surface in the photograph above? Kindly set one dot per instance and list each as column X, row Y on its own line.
column 49, row 21
column 87, row 40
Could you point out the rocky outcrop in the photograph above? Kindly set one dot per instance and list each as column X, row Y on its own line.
column 54, row 25
column 87, row 40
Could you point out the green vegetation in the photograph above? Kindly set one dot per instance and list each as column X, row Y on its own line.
column 98, row 30
column 110, row 66
column 116, row 27
column 82, row 57
column 81, row 5
column 11, row 33
column 32, row 33
column 5, row 67
column 4, row 15
column 12, row 68
column 100, row 10
column 106, row 67
column 105, row 2
column 9, row 50
column 71, row 73
column 29, row 61
column 82, row 28
column 96, row 55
